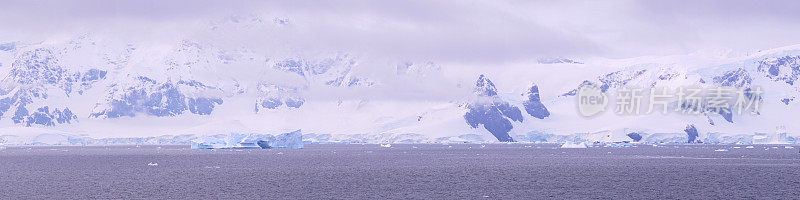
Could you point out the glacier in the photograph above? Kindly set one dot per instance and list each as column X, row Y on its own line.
column 296, row 140
column 572, row 145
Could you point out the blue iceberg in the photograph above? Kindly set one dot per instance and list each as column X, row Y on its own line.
column 291, row 140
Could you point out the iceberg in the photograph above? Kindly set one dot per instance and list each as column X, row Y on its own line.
column 771, row 138
column 616, row 144
column 291, row 140
column 572, row 145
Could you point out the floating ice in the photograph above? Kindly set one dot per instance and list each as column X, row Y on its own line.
column 572, row 145
column 291, row 140
column 152, row 164
column 749, row 147
column 786, row 147
column 737, row 147
column 386, row 145
column 721, row 150
column 619, row 145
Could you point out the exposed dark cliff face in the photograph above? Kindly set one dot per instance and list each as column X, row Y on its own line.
column 691, row 132
column 494, row 114
column 533, row 105
column 157, row 99
column 495, row 118
column 635, row 136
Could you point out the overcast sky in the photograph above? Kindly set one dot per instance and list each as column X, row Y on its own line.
column 460, row 30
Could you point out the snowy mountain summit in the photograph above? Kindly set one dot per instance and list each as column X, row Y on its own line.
column 90, row 87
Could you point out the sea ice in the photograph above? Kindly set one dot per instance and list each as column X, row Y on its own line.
column 721, row 150
column 291, row 140
column 152, row 164
column 386, row 145
column 572, row 145
column 618, row 145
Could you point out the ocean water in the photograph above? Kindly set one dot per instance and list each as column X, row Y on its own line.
column 403, row 171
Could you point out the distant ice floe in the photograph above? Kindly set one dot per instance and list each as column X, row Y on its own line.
column 29, row 136
column 619, row 145
column 243, row 137
column 407, row 138
column 572, row 145
column 291, row 140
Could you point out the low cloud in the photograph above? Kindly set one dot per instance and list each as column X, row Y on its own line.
column 479, row 32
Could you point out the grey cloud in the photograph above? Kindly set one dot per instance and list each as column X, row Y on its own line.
column 484, row 32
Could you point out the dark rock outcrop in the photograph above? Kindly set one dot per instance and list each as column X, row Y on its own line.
column 495, row 118
column 533, row 105
column 691, row 132
column 781, row 69
column 158, row 99
column 635, row 136
column 490, row 111
column 735, row 78
column 484, row 87
column 274, row 96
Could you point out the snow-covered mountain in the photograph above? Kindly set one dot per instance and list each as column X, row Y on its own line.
column 90, row 87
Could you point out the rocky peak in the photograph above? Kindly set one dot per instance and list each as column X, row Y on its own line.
column 533, row 105
column 484, row 87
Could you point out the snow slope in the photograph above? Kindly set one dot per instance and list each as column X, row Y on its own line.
column 95, row 86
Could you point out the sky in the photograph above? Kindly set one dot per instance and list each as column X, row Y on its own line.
column 469, row 31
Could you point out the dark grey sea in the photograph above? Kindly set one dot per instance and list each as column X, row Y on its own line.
column 404, row 171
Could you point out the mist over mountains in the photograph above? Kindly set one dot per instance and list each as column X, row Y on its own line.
column 247, row 74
